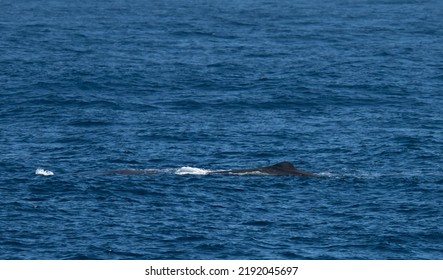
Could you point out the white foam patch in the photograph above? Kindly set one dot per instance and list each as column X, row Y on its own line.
column 41, row 171
column 187, row 170
column 326, row 174
column 249, row 173
column 253, row 173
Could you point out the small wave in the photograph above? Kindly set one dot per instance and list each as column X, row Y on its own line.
column 41, row 171
column 187, row 170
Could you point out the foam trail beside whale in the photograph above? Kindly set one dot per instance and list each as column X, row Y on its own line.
column 187, row 170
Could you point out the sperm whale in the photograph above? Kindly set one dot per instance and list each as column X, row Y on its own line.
column 281, row 168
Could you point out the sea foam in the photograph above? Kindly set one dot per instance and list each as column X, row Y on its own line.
column 186, row 170
column 41, row 171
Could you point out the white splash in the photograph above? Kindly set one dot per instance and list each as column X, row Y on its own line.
column 41, row 171
column 187, row 170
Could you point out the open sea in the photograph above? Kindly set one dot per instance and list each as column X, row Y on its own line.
column 351, row 90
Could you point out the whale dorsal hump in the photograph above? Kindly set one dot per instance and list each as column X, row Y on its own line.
column 285, row 165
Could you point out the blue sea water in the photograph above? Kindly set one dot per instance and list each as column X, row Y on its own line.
column 352, row 90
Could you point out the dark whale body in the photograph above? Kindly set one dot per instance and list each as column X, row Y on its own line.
column 281, row 168
column 130, row 172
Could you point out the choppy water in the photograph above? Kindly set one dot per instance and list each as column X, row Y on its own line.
column 348, row 89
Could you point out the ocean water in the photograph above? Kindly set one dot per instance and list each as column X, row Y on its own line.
column 352, row 90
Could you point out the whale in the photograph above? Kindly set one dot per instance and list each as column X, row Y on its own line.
column 283, row 168
column 130, row 172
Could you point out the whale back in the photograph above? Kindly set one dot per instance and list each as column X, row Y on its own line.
column 281, row 168
column 285, row 168
column 284, row 165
